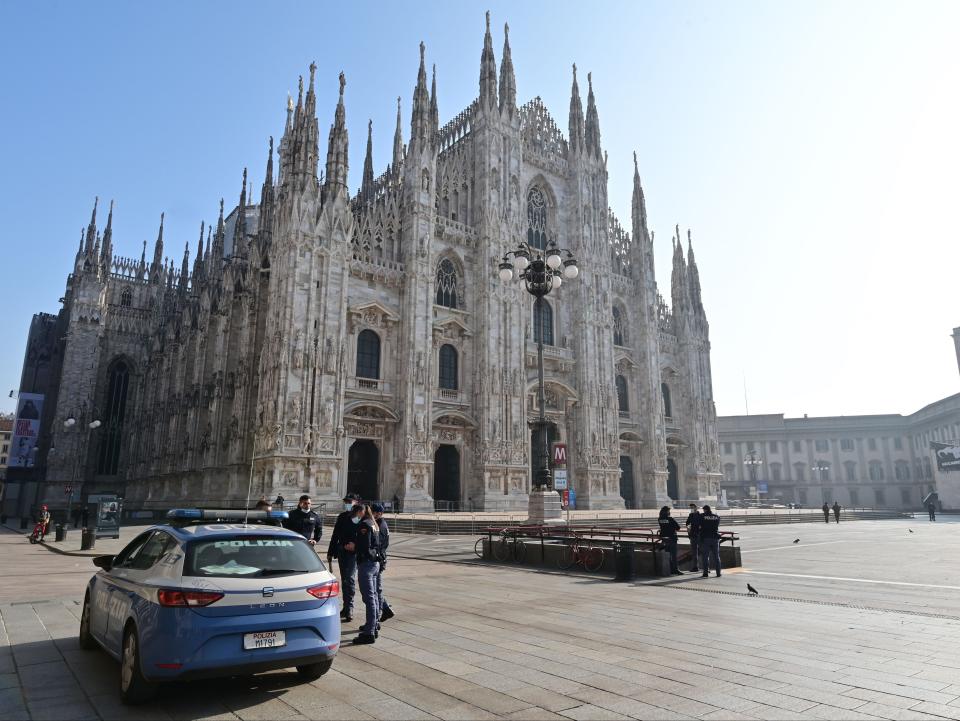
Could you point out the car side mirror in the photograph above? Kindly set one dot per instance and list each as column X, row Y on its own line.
column 104, row 562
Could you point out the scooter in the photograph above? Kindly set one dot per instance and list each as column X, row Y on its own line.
column 39, row 531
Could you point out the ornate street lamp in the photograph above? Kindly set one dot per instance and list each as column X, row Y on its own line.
column 69, row 423
column 753, row 462
column 821, row 467
column 541, row 272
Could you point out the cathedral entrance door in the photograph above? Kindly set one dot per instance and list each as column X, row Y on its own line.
column 446, row 478
column 673, row 481
column 363, row 470
column 626, row 482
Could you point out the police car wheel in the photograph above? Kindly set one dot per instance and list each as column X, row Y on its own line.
column 134, row 688
column 86, row 639
column 313, row 671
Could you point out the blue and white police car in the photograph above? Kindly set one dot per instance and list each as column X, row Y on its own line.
column 212, row 593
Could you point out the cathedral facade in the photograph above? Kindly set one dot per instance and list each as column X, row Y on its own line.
column 325, row 342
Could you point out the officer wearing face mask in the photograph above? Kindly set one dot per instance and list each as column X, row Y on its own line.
column 343, row 548
column 303, row 520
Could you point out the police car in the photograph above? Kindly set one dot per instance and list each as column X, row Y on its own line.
column 212, row 593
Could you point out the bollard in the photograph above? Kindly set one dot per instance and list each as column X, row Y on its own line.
column 624, row 567
column 61, row 533
column 88, row 537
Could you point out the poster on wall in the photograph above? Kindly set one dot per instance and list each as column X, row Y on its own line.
column 948, row 455
column 26, row 431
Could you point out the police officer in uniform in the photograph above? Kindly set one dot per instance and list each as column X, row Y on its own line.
column 668, row 533
column 385, row 611
column 368, row 567
column 342, row 548
column 709, row 541
column 302, row 519
column 693, row 533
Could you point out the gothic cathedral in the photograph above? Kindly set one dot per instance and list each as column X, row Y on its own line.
column 324, row 343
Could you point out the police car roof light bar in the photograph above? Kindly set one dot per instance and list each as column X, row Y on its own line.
column 225, row 514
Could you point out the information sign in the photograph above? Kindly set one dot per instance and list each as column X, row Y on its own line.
column 560, row 479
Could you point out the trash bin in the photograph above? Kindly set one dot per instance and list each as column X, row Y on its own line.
column 23, row 522
column 61, row 533
column 624, row 568
column 88, row 537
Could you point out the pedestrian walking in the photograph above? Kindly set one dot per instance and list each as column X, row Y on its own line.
column 305, row 521
column 386, row 612
column 826, row 512
column 836, row 511
column 279, row 502
column 668, row 534
column 396, row 503
column 368, row 566
column 932, row 510
column 693, row 533
column 709, row 541
column 343, row 549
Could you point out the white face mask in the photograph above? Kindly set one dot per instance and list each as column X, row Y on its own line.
column 355, row 519
column 347, row 506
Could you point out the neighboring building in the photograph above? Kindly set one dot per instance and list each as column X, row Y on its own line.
column 6, row 433
column 324, row 343
column 883, row 461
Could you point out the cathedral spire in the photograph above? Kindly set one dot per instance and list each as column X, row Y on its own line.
column 265, row 225
column 366, row 185
column 106, row 258
column 240, row 226
column 678, row 280
column 508, row 83
column 420, row 115
column 92, row 227
column 398, row 142
column 693, row 276
column 639, row 206
column 592, row 133
column 337, row 163
column 488, row 71
column 434, row 113
column 142, row 268
column 198, row 261
column 216, row 255
column 576, row 116
column 299, row 146
column 157, row 252
column 184, row 268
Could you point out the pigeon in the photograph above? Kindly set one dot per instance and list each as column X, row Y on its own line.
column 910, row 529
column 796, row 540
column 753, row 591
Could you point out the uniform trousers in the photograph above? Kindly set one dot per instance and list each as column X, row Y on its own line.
column 709, row 549
column 694, row 550
column 670, row 543
column 367, row 572
column 348, row 585
column 384, row 606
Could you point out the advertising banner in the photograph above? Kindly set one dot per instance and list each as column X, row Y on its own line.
column 948, row 455
column 26, row 431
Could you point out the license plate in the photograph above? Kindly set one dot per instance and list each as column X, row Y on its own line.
column 264, row 639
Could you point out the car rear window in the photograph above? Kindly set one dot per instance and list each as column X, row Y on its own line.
column 250, row 556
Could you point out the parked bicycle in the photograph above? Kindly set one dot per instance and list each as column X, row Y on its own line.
column 509, row 547
column 579, row 553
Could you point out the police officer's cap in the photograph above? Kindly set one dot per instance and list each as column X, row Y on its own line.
column 376, row 507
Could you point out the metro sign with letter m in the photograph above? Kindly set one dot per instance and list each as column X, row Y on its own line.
column 560, row 454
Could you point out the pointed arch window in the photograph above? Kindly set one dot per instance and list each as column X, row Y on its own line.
column 619, row 327
column 118, row 381
column 126, row 298
column 536, row 218
column 368, row 354
column 543, row 322
column 667, row 405
column 448, row 285
column 448, row 367
column 623, row 399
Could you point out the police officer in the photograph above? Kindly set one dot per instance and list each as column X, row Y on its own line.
column 305, row 521
column 668, row 533
column 385, row 611
column 826, row 512
column 342, row 548
column 693, row 533
column 836, row 511
column 368, row 567
column 709, row 541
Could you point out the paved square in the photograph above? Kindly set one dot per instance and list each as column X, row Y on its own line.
column 857, row 621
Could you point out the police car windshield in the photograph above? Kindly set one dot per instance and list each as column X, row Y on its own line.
column 250, row 556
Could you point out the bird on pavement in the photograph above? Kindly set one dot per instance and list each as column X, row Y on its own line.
column 752, row 590
column 910, row 529
column 796, row 540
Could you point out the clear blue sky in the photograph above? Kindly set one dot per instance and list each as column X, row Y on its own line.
column 811, row 147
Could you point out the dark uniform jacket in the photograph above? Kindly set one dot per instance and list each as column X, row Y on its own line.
column 368, row 543
column 693, row 524
column 668, row 527
column 710, row 526
column 384, row 538
column 344, row 531
column 307, row 523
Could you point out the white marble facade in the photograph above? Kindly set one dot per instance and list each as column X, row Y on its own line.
column 324, row 342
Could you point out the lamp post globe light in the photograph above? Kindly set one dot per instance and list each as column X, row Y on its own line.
column 753, row 461
column 821, row 467
column 69, row 424
column 541, row 271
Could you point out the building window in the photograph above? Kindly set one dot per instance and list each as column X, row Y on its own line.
column 368, row 354
column 881, row 497
column 537, row 218
column 667, row 405
column 846, row 444
column 117, row 383
column 619, row 327
column 775, row 472
column 797, row 447
column 6, row 448
column 821, row 446
column 872, row 444
column 902, row 471
column 905, row 496
column 851, row 470
column 774, row 447
column 448, row 367
column 3, row 460
column 623, row 401
column 126, row 298
column 927, row 470
column 730, row 472
column 802, row 495
column 728, row 448
column 799, row 471
column 876, row 471
column 898, row 443
column 447, row 286
column 854, row 497
column 543, row 322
